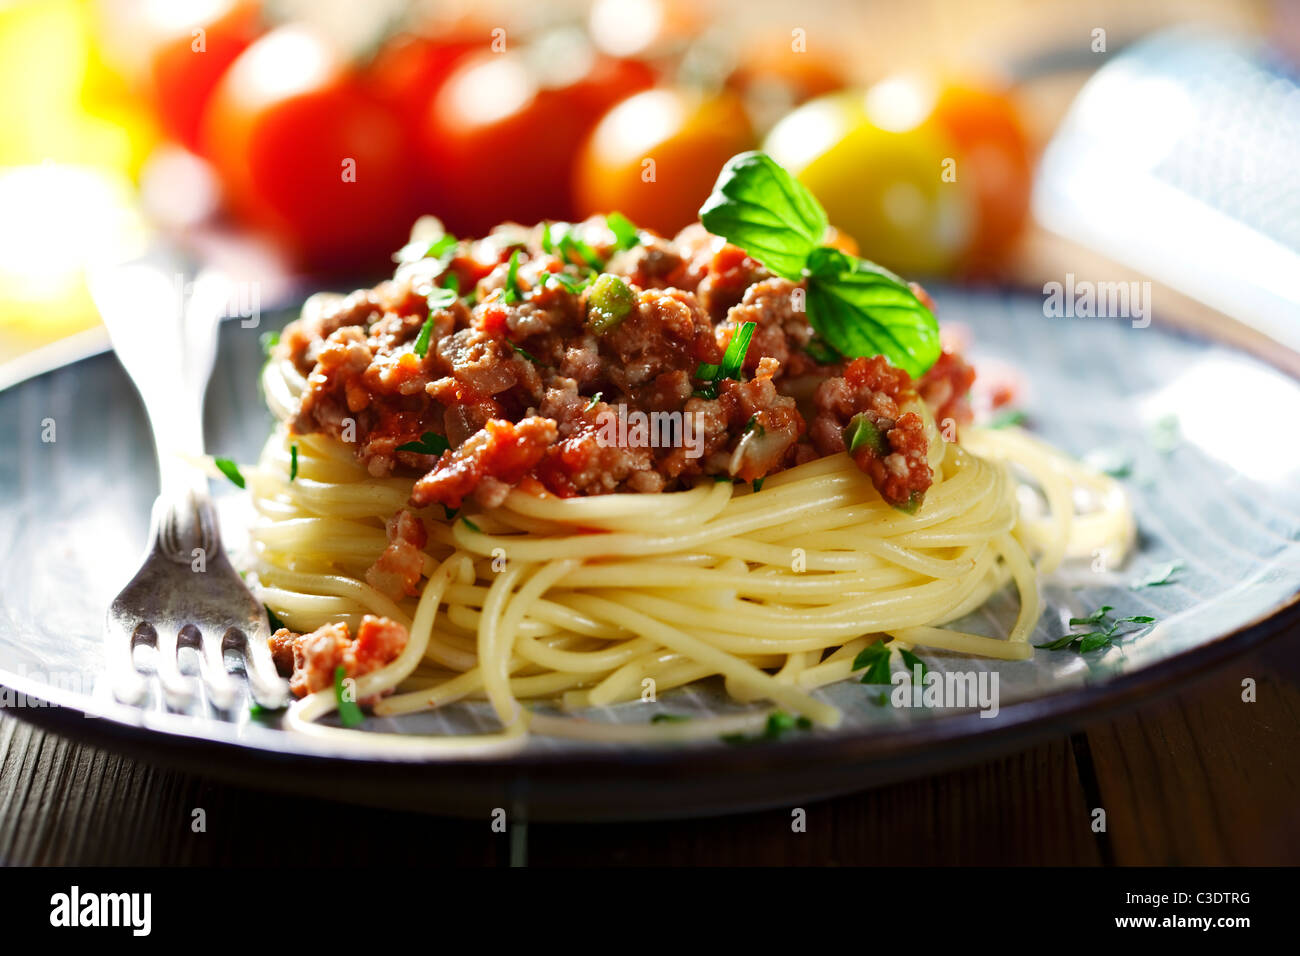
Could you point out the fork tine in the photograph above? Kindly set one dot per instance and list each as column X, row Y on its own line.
column 125, row 682
column 221, row 689
column 265, row 683
column 178, row 688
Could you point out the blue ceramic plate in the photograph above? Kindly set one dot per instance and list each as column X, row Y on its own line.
column 1203, row 435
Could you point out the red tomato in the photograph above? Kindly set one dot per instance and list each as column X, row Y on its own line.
column 656, row 156
column 499, row 145
column 409, row 70
column 307, row 153
column 189, row 48
column 993, row 156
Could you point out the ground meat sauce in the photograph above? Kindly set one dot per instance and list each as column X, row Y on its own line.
column 520, row 382
column 311, row 660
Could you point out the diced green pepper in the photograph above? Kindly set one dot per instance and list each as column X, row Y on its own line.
column 609, row 300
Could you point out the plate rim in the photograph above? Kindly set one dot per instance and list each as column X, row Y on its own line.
column 870, row 757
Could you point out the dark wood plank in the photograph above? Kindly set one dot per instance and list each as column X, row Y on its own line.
column 1204, row 778
column 1026, row 808
column 65, row 803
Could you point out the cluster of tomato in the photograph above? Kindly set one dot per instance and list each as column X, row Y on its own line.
column 336, row 155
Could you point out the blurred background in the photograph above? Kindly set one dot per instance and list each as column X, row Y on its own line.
column 291, row 143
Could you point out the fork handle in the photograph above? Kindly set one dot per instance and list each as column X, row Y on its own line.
column 176, row 419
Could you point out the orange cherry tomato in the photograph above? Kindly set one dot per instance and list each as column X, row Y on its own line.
column 189, row 49
column 306, row 152
column 499, row 144
column 993, row 156
column 773, row 77
column 656, row 156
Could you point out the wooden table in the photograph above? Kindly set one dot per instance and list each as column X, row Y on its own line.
column 1195, row 777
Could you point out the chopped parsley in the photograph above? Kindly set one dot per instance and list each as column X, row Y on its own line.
column 1159, row 575
column 1105, row 630
column 875, row 659
column 758, row 484
column 440, row 246
column 567, row 282
column 349, row 713
column 269, row 340
column 230, row 470
column 450, row 513
column 512, row 278
column 421, row 347
column 571, row 248
column 912, row 662
column 669, row 719
column 293, row 462
column 525, row 353
column 417, row 249
column 430, row 443
column 471, row 525
column 779, row 723
column 594, row 399
column 862, row 431
column 733, row 362
column 626, row 235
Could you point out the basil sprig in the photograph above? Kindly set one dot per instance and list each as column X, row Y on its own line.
column 760, row 207
column 856, row 307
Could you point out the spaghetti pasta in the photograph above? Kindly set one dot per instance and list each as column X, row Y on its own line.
column 583, row 600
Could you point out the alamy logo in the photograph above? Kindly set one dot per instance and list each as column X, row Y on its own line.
column 960, row 689
column 75, row 908
column 1085, row 299
column 637, row 429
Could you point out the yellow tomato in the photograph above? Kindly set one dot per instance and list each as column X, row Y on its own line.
column 881, row 166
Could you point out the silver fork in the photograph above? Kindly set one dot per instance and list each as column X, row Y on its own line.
column 186, row 593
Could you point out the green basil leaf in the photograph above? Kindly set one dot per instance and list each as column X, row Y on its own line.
column 868, row 310
column 761, row 208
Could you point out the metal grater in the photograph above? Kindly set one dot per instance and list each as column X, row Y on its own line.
column 1178, row 158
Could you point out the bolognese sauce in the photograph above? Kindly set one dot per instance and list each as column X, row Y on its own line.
column 508, row 350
